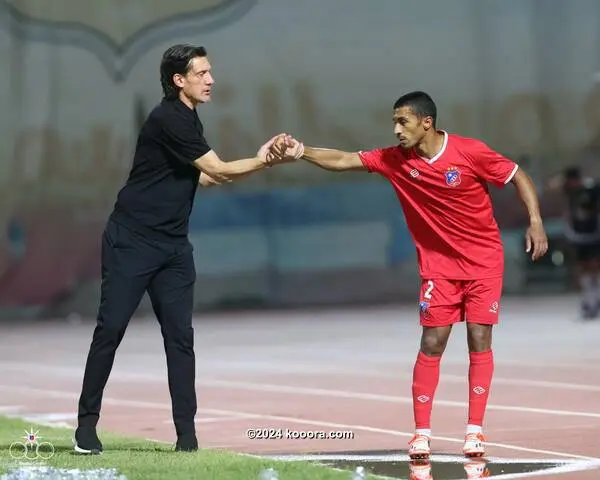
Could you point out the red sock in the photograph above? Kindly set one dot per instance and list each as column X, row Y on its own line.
column 481, row 369
column 426, row 375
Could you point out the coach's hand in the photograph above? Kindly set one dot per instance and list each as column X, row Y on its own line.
column 286, row 149
column 536, row 238
column 264, row 150
column 274, row 151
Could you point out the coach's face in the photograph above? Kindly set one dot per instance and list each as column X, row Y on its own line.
column 197, row 83
column 409, row 128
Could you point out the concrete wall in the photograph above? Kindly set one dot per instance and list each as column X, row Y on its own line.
column 79, row 78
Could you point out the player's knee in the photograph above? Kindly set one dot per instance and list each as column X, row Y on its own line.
column 433, row 344
column 479, row 337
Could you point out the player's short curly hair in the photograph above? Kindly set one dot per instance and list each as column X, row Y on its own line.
column 177, row 59
column 420, row 103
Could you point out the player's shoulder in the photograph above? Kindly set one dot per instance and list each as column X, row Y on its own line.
column 469, row 148
column 464, row 142
column 395, row 150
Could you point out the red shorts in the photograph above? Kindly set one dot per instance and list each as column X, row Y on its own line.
column 445, row 302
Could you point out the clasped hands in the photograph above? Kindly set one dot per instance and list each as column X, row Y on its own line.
column 282, row 148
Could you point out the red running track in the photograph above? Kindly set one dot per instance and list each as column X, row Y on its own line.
column 344, row 371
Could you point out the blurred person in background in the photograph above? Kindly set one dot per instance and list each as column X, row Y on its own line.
column 582, row 231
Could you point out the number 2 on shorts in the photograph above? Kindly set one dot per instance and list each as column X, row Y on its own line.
column 427, row 293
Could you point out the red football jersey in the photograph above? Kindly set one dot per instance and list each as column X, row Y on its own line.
column 447, row 205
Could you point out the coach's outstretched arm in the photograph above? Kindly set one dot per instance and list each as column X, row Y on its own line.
column 226, row 172
column 215, row 171
column 535, row 237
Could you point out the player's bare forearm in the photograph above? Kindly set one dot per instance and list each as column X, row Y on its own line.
column 528, row 194
column 536, row 240
column 333, row 160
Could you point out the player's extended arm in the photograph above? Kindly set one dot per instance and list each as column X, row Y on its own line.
column 333, row 160
column 325, row 158
column 536, row 235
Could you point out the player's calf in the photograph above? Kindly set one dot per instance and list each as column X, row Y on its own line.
column 589, row 311
column 589, row 298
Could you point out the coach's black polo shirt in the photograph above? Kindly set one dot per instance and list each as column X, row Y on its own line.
column 158, row 196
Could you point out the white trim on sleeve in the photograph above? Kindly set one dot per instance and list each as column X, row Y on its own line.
column 512, row 174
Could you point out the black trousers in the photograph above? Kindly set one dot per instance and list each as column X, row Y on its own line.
column 132, row 265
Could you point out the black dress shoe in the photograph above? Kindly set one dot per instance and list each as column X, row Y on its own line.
column 186, row 443
column 87, row 442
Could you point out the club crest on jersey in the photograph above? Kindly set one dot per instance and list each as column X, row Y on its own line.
column 423, row 306
column 452, row 175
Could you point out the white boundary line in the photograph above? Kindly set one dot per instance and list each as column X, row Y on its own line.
column 278, row 418
column 207, row 420
column 278, row 388
column 453, row 378
column 396, row 433
column 267, row 368
column 322, row 392
column 9, row 408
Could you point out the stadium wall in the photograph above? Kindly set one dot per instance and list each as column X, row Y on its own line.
column 82, row 76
